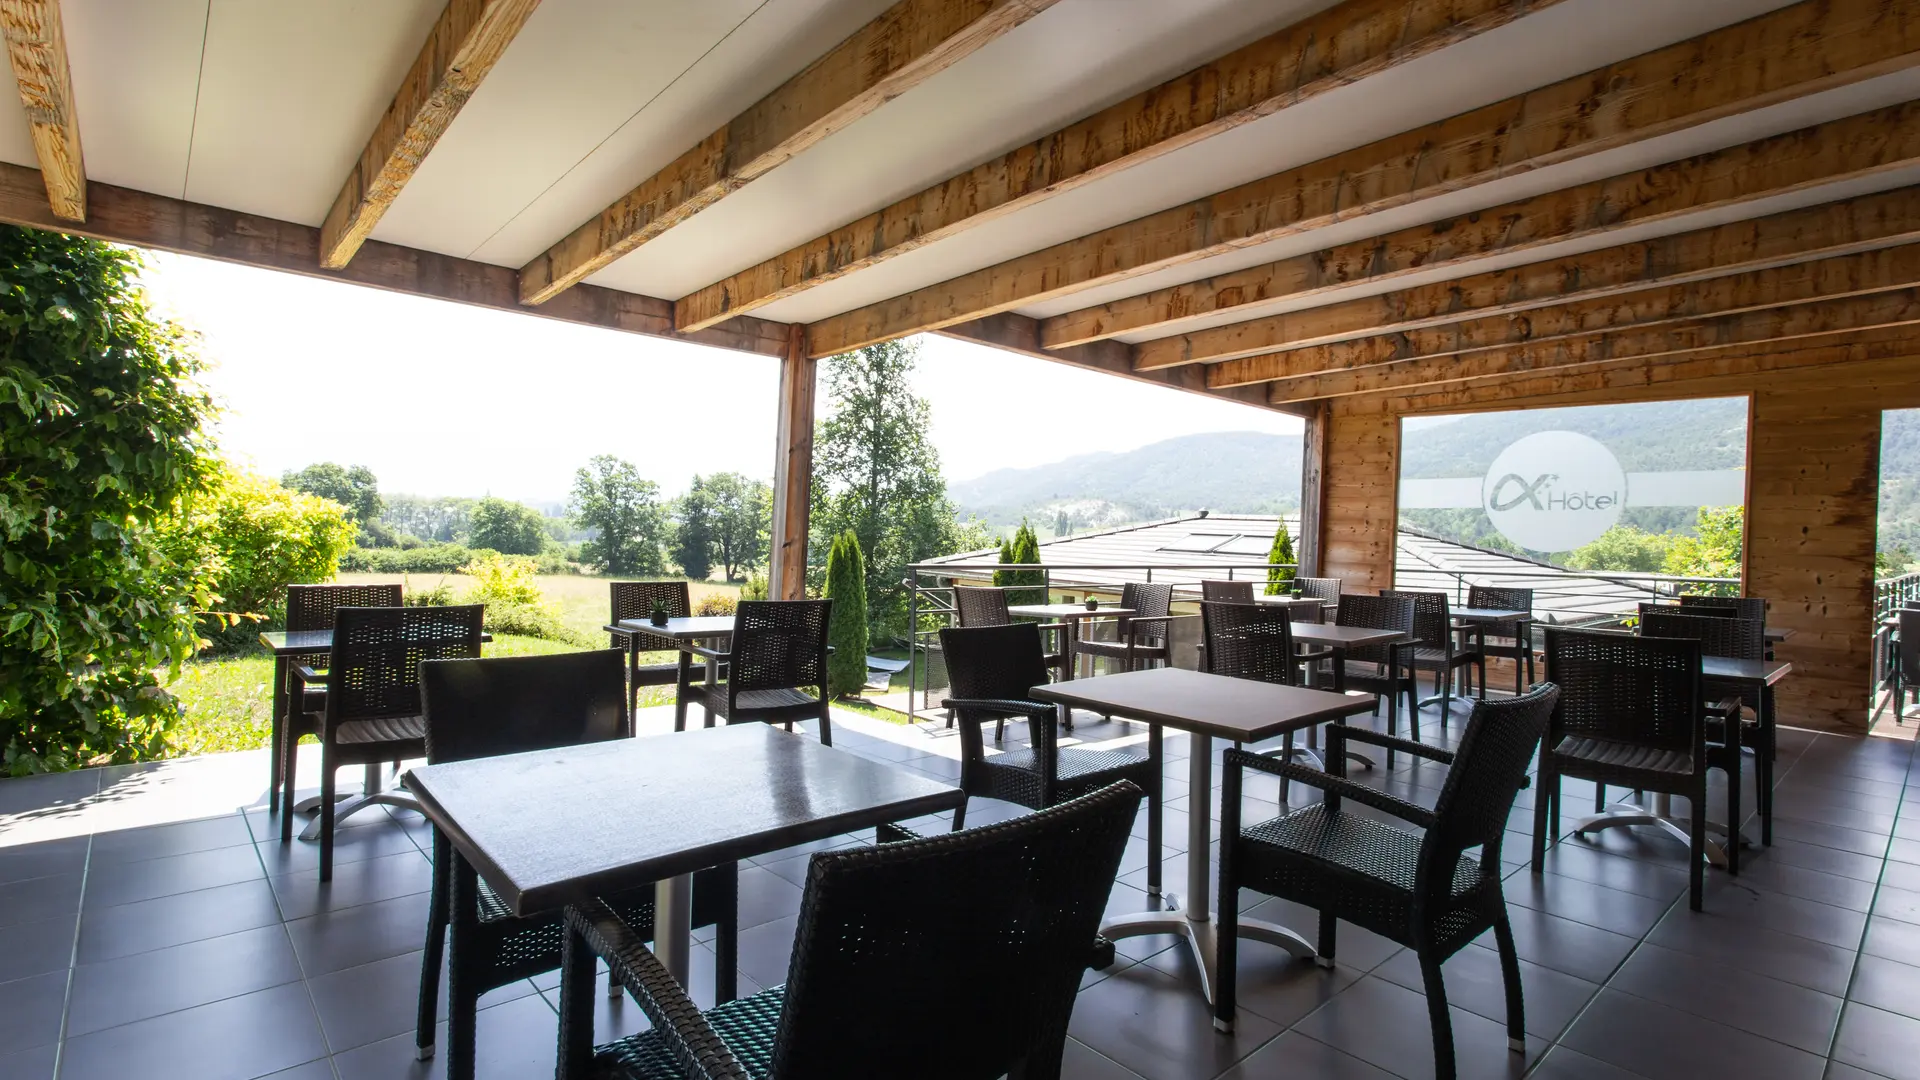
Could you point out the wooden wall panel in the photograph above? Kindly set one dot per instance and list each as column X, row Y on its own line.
column 1813, row 488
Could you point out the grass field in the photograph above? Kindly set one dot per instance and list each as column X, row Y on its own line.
column 227, row 700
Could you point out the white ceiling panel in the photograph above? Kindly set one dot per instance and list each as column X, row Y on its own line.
column 1574, row 36
column 136, row 71
column 16, row 139
column 289, row 93
column 1071, row 60
column 710, row 84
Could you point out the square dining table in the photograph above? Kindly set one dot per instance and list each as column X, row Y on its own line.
column 1206, row 707
column 1071, row 616
column 683, row 634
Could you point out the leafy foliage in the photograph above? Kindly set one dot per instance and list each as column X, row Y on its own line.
column 716, row 603
column 507, row 527
column 1716, row 551
column 693, row 531
column 1024, row 548
column 100, row 438
column 847, row 624
column 624, row 510
column 515, row 604
column 1281, row 555
column 355, row 488
column 436, row 559
column 443, row 519
column 742, row 521
column 758, row 587
column 1623, row 547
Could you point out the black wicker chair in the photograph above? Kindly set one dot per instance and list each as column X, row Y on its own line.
column 977, row 605
column 1437, row 650
column 1142, row 637
column 1737, row 639
column 779, row 647
column 311, row 607
column 1509, row 640
column 1320, row 588
column 1252, row 641
column 1424, row 892
column 1226, row 592
column 1740, row 607
column 990, row 670
column 955, row 957
column 1906, row 661
column 512, row 705
column 635, row 600
column 1383, row 670
column 1630, row 715
column 372, row 714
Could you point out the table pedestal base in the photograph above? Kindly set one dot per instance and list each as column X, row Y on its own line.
column 1203, row 940
column 1659, row 816
column 345, row 806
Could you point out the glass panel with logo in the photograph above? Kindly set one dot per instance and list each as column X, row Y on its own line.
column 1646, row 488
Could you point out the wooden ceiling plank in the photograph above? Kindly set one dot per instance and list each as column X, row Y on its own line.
column 1874, row 311
column 37, row 49
column 142, row 219
column 1830, row 229
column 1341, row 45
column 908, row 43
column 466, row 41
column 1799, row 283
column 1685, row 84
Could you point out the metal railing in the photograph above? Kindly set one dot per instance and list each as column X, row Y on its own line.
column 1578, row 601
column 1889, row 595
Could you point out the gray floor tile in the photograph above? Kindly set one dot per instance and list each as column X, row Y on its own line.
column 766, row 949
column 1584, row 902
column 377, row 1001
column 1663, row 1043
column 34, row 1064
column 1732, row 898
column 1896, row 903
column 1833, row 836
column 47, row 791
column 1160, row 1028
column 30, row 1011
column 1813, row 857
column 48, row 857
column 1575, row 859
column 38, row 899
column 1551, row 999
column 1562, row 1063
column 1270, row 982
column 236, row 1039
column 1739, row 999
column 1887, row 984
column 148, row 984
column 1787, row 957
column 513, row 1041
column 1354, row 948
column 1892, row 939
column 1585, row 952
column 36, row 947
column 1879, row 1041
column 1387, row 1025
column 354, row 883
column 160, row 841
column 766, row 896
column 1081, row 1063
column 336, row 940
column 1293, row 1056
column 1821, row 886
column 130, row 882
column 125, row 929
column 349, row 846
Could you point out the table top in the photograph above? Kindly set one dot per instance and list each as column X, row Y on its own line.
column 1068, row 611
column 1195, row 701
column 1768, row 671
column 1294, row 601
column 1491, row 615
column 1345, row 637
column 554, row 826
column 306, row 642
column 691, row 628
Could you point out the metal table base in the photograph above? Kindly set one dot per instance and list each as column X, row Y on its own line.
column 1194, row 921
column 1659, row 816
column 345, row 806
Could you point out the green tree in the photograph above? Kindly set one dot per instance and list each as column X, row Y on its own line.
column 742, row 521
column 508, row 527
column 1623, row 547
column 875, row 473
column 1716, row 551
column 1282, row 558
column 847, row 625
column 101, row 437
column 623, row 510
column 693, row 515
column 355, row 488
column 1025, row 548
column 1003, row 577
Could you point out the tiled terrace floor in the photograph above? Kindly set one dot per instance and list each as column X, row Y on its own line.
column 202, row 948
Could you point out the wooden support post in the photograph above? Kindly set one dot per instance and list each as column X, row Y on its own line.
column 1313, row 461
column 793, row 471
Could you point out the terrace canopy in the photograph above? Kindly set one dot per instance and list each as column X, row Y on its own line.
column 1352, row 211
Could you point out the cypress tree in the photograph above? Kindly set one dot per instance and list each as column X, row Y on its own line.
column 847, row 625
column 1281, row 555
column 1004, row 577
column 1026, row 549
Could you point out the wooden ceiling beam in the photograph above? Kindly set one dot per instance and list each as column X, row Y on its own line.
column 1803, row 49
column 466, row 41
column 37, row 49
column 1799, row 283
column 1823, row 231
column 908, row 43
column 1875, row 311
column 1341, row 45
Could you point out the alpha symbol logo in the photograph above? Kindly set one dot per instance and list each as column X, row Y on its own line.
column 1554, row 491
column 1528, row 492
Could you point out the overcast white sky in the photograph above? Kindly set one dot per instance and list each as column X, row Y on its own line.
column 445, row 399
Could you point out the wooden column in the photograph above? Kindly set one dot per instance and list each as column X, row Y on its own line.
column 793, row 470
column 1360, row 482
column 1313, row 461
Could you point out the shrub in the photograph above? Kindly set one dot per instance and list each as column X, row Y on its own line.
column 506, row 527
column 716, row 603
column 440, row 595
column 515, row 605
column 758, row 587
column 847, row 625
column 431, row 559
column 1281, row 556
column 100, row 436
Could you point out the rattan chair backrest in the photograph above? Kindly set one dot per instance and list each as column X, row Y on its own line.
column 1501, row 598
column 1643, row 691
column 311, row 607
column 956, row 957
column 1249, row 641
column 980, row 606
column 1151, row 603
column 1489, row 767
column 515, row 704
column 635, row 599
column 1744, row 607
column 377, row 652
column 778, row 645
column 1432, row 622
column 1739, row 639
column 1227, row 592
column 1375, row 613
column 1320, row 588
column 1910, row 644
column 994, row 662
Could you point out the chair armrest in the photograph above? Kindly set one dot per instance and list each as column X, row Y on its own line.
column 710, row 654
column 1333, row 785
column 694, row 1044
column 306, row 674
column 889, row 833
column 1405, row 746
column 1008, row 706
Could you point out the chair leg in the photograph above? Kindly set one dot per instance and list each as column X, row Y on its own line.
column 1286, row 754
column 289, row 759
column 826, row 721
column 434, row 955
column 463, row 992
column 1697, row 848
column 1393, row 724
column 1329, row 939
column 274, row 760
column 1226, row 965
column 682, row 682
column 326, row 814
column 1155, row 831
column 1436, row 990
column 1599, row 798
column 1733, row 803
column 1549, row 786
column 960, row 813
column 1510, row 974
column 726, row 943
